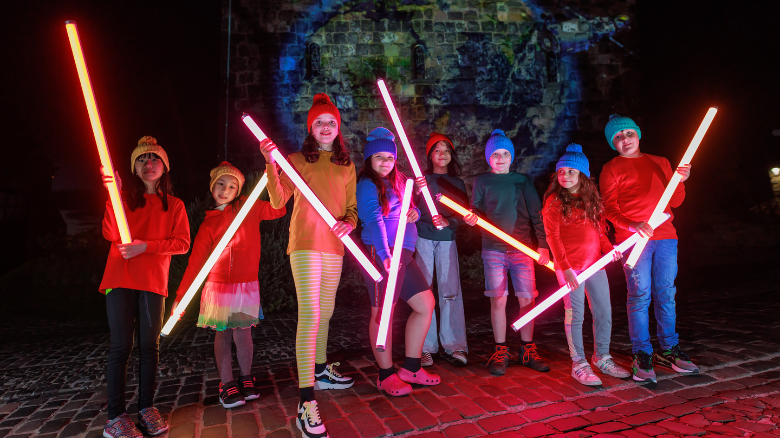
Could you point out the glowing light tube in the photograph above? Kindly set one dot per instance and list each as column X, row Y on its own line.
column 493, row 230
column 97, row 130
column 674, row 182
column 395, row 263
column 584, row 275
column 407, row 147
column 313, row 200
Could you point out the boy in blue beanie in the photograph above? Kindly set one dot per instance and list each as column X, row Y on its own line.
column 509, row 201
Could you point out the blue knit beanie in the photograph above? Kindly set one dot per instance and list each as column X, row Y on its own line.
column 575, row 159
column 498, row 140
column 618, row 123
column 380, row 140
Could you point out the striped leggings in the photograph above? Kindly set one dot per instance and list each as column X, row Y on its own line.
column 316, row 276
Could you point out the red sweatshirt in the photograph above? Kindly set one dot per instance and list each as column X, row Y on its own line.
column 240, row 261
column 630, row 190
column 165, row 232
column 575, row 244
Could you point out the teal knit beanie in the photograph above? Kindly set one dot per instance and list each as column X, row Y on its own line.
column 380, row 140
column 575, row 159
column 498, row 140
column 618, row 123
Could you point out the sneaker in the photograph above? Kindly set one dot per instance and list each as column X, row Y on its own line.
column 426, row 359
column 530, row 358
column 643, row 367
column 151, row 422
column 121, row 427
column 420, row 377
column 498, row 361
column 331, row 379
column 230, row 396
column 582, row 373
column 460, row 357
column 676, row 359
column 309, row 421
column 607, row 366
column 393, row 385
column 246, row 384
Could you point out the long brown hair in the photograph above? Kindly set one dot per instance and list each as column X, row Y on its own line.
column 135, row 195
column 586, row 200
column 453, row 167
column 396, row 179
column 311, row 150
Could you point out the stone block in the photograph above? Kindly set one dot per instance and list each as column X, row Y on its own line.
column 398, row 425
column 501, row 422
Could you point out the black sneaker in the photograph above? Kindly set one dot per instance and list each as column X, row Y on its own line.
column 331, row 379
column 530, row 358
column 499, row 360
column 246, row 384
column 230, row 396
column 309, row 421
column 642, row 367
column 676, row 359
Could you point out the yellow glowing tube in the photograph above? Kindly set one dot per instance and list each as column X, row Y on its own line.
column 97, row 130
column 674, row 182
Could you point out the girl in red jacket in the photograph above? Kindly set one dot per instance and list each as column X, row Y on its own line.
column 573, row 219
column 230, row 302
column 136, row 283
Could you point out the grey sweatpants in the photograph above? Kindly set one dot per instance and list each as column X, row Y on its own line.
column 596, row 288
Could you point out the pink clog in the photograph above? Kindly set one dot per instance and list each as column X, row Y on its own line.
column 393, row 385
column 421, row 377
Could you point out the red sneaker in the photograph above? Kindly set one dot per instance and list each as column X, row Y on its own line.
column 421, row 377
column 393, row 385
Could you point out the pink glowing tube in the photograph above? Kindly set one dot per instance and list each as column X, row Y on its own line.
column 584, row 275
column 313, row 200
column 676, row 178
column 395, row 263
column 493, row 230
column 221, row 245
column 97, row 130
column 407, row 147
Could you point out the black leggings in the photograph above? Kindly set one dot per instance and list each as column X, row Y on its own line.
column 130, row 312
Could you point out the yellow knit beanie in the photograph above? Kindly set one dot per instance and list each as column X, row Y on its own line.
column 226, row 168
column 148, row 144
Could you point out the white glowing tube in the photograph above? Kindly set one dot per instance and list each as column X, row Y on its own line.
column 674, row 182
column 407, row 147
column 395, row 263
column 313, row 200
column 584, row 275
column 97, row 131
column 212, row 260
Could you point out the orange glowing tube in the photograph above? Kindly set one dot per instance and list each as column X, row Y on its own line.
column 487, row 226
column 674, row 182
column 97, row 130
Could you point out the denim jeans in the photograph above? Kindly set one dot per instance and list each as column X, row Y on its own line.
column 443, row 255
column 596, row 289
column 652, row 279
column 500, row 265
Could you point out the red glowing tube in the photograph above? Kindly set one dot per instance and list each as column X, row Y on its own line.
column 212, row 260
column 97, row 130
column 395, row 263
column 313, row 200
column 676, row 178
column 407, row 147
column 493, row 230
column 584, row 275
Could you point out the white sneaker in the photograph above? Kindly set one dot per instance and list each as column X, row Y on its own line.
column 309, row 421
column 582, row 372
column 607, row 366
column 460, row 357
column 426, row 359
column 331, row 379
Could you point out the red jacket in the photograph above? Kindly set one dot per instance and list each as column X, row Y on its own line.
column 240, row 261
column 165, row 232
column 574, row 243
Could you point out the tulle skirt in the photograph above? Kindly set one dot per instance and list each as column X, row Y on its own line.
column 230, row 305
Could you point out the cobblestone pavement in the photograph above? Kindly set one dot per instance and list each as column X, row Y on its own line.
column 52, row 379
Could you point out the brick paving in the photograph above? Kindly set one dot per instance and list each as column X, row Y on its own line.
column 52, row 380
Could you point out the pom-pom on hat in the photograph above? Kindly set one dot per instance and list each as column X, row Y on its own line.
column 148, row 144
column 434, row 138
column 618, row 123
column 575, row 159
column 226, row 168
column 498, row 140
column 322, row 105
column 380, row 140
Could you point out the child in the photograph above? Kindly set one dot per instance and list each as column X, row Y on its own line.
column 509, row 201
column 379, row 192
column 316, row 251
column 230, row 301
column 136, row 283
column 574, row 224
column 631, row 185
column 437, row 248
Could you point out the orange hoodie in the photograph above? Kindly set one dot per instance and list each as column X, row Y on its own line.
column 165, row 232
column 240, row 261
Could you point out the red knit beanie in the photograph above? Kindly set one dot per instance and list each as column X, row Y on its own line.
column 435, row 138
column 322, row 105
